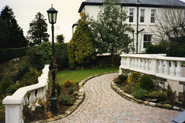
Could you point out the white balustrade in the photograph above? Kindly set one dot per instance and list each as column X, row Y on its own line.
column 14, row 104
column 155, row 64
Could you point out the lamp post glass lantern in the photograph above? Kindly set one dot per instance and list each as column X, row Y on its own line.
column 52, row 17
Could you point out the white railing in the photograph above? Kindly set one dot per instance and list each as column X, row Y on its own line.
column 154, row 64
column 26, row 96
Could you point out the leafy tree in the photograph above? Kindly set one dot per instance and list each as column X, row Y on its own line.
column 12, row 36
column 38, row 30
column 81, row 48
column 60, row 39
column 169, row 30
column 109, row 29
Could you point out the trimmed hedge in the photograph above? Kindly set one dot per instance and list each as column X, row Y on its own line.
column 155, row 49
column 11, row 53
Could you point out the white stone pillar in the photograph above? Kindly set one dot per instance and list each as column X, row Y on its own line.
column 172, row 68
column 161, row 66
column 13, row 113
column 178, row 69
column 166, row 68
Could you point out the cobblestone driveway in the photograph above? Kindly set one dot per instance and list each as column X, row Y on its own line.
column 103, row 105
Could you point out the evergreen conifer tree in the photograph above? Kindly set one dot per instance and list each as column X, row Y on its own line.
column 13, row 33
column 81, row 48
column 38, row 30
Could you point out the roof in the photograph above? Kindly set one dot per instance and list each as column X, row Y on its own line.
column 144, row 3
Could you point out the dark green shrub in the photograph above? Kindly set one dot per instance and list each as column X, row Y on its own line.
column 4, row 84
column 140, row 93
column 117, row 81
column 73, row 89
column 58, row 88
column 122, row 78
column 11, row 89
column 30, row 77
column 160, row 96
column 155, row 49
column 66, row 100
column 68, row 83
column 127, row 89
column 146, row 82
column 20, row 73
column 61, row 56
column 11, row 53
column 39, row 55
column 176, row 48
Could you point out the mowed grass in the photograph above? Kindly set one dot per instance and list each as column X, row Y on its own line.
column 79, row 75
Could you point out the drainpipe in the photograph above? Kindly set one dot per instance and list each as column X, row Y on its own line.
column 133, row 39
column 137, row 27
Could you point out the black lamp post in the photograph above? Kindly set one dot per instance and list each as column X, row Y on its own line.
column 52, row 16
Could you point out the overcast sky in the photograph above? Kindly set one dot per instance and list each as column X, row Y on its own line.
column 25, row 11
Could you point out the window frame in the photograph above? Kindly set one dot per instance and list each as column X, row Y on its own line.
column 142, row 16
column 151, row 40
column 131, row 15
column 153, row 16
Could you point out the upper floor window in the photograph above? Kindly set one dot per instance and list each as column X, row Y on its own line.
column 147, row 40
column 142, row 15
column 153, row 15
column 131, row 15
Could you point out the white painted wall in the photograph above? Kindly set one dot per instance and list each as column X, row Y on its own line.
column 94, row 10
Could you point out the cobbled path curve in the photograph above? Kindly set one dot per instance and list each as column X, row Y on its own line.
column 103, row 105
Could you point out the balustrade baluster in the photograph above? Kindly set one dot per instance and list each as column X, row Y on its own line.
column 172, row 68
column 32, row 100
column 143, row 64
column 136, row 62
column 139, row 63
column 161, row 66
column 129, row 62
column 133, row 62
column 146, row 65
column 178, row 69
column 26, row 102
column 39, row 96
column 166, row 67
column 149, row 64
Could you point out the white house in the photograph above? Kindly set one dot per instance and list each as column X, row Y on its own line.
column 142, row 17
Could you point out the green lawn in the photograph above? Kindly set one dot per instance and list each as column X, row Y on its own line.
column 79, row 75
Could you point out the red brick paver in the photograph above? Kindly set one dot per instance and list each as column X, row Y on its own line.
column 103, row 105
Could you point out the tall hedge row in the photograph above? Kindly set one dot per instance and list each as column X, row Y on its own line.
column 11, row 53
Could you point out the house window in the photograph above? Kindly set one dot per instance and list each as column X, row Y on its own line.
column 142, row 16
column 131, row 15
column 147, row 40
column 153, row 15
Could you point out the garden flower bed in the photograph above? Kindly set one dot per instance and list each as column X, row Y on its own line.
column 141, row 89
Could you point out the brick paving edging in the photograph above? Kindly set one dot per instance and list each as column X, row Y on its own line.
column 81, row 95
column 131, row 98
